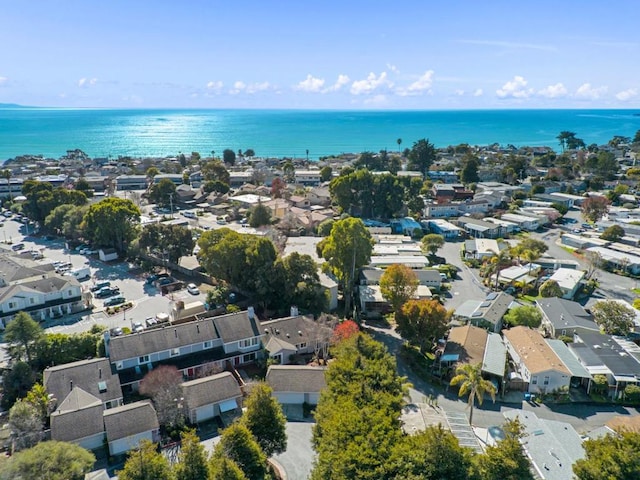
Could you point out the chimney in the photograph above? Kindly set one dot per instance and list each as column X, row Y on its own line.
column 70, row 385
column 175, row 332
column 251, row 313
column 198, row 328
column 294, row 311
column 100, row 373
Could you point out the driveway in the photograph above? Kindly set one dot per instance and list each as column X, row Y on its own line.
column 297, row 460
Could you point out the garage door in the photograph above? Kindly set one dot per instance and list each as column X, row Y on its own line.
column 204, row 413
column 228, row 405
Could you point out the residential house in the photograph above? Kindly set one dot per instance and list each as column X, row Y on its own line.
column 299, row 201
column 131, row 182
column 308, row 178
column 482, row 248
column 569, row 280
column 319, row 196
column 279, row 207
column 129, row 424
column 471, row 207
column 561, row 317
column 36, row 289
column 486, row 314
column 78, row 418
column 447, row 229
column 539, row 368
column 175, row 178
column 406, row 226
column 372, row 300
column 296, row 384
column 11, row 187
column 411, row 261
column 93, row 376
column 614, row 357
column 239, row 178
column 295, row 335
column 441, row 210
column 430, row 278
column 618, row 260
column 523, row 221
column 481, row 228
column 208, row 397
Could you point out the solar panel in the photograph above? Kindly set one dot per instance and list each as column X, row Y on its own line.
column 485, row 305
column 476, row 314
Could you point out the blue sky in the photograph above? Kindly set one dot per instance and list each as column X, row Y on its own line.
column 374, row 54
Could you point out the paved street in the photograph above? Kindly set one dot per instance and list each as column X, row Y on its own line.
column 467, row 285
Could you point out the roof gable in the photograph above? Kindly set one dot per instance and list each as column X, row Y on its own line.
column 296, row 378
column 534, row 352
column 212, row 389
column 130, row 419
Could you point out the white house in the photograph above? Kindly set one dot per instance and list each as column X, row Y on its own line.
column 568, row 280
column 208, row 397
column 129, row 424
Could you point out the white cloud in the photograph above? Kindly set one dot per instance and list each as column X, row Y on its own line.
column 586, row 91
column 87, row 82
column 251, row 88
column 478, row 93
column 392, row 68
column 627, row 94
column 376, row 100
column 515, row 88
column 553, row 91
column 340, row 82
column 370, row 84
column 215, row 86
column 419, row 87
column 310, row 84
column 460, row 93
column 3, row 80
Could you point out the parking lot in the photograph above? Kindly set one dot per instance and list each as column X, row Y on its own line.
column 147, row 299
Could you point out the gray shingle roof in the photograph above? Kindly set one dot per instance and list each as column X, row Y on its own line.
column 295, row 330
column 424, row 276
column 296, row 378
column 495, row 355
column 212, row 389
column 86, row 374
column 161, row 339
column 565, row 314
column 236, row 326
column 130, row 419
column 78, row 416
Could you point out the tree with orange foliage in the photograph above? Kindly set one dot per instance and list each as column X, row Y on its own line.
column 344, row 330
column 422, row 322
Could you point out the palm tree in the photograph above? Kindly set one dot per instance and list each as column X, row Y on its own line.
column 502, row 259
column 6, row 173
column 399, row 142
column 469, row 377
column 530, row 256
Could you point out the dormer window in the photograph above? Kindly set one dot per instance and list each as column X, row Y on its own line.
column 102, row 387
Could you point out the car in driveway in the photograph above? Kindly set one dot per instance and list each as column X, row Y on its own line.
column 192, row 288
column 110, row 302
column 137, row 327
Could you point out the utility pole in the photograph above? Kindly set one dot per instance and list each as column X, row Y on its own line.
column 171, row 203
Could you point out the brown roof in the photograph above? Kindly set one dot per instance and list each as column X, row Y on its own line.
column 130, row 419
column 212, row 389
column 469, row 342
column 296, row 378
column 535, row 353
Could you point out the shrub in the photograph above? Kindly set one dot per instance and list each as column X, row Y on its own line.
column 632, row 393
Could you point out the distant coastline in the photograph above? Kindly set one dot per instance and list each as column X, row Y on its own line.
column 290, row 133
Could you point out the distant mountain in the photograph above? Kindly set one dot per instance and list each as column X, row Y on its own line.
column 14, row 105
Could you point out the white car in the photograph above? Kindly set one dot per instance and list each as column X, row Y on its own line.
column 193, row 289
column 137, row 327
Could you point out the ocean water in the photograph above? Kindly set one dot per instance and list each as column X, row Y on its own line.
column 290, row 133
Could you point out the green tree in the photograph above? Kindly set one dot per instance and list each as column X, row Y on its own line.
column 42, row 198
column 526, row 315
column 301, row 283
column 469, row 377
column 39, row 398
column 432, row 242
column 192, row 459
column 59, row 348
column 22, row 332
column 112, row 222
column 613, row 233
column 422, row 322
column 66, row 220
column 146, row 463
column 421, row 156
column 152, row 172
column 6, row 174
column 615, row 456
column 215, row 186
column 550, row 288
column 615, row 318
column 324, row 229
column 265, row 420
column 260, row 215
column 50, row 460
column 469, row 172
column 398, row 284
column 562, row 209
column 347, row 248
column 173, row 240
column 162, row 193
column 26, row 424
column 223, row 468
column 216, row 171
column 16, row 383
column 228, row 156
column 326, row 173
column 237, row 444
column 505, row 460
column 594, row 208
column 430, row 455
column 83, row 186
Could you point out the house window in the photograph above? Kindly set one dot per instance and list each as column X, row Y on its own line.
column 102, row 387
column 207, row 344
column 534, row 380
column 546, row 380
column 143, row 359
column 249, row 342
column 118, row 365
column 12, row 305
column 564, row 332
column 32, row 301
column 175, row 352
column 248, row 358
column 301, row 346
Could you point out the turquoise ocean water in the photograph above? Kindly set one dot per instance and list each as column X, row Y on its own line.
column 102, row 133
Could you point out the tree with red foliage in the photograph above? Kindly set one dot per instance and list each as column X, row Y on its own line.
column 277, row 187
column 344, row 330
column 162, row 385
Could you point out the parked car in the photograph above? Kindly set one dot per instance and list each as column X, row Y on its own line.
column 100, row 285
column 116, row 332
column 165, row 281
column 81, row 247
column 17, row 246
column 137, row 327
column 107, row 292
column 151, row 279
column 193, row 289
column 110, row 302
column 150, row 321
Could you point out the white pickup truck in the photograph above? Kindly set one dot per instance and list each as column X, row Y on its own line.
column 82, row 273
